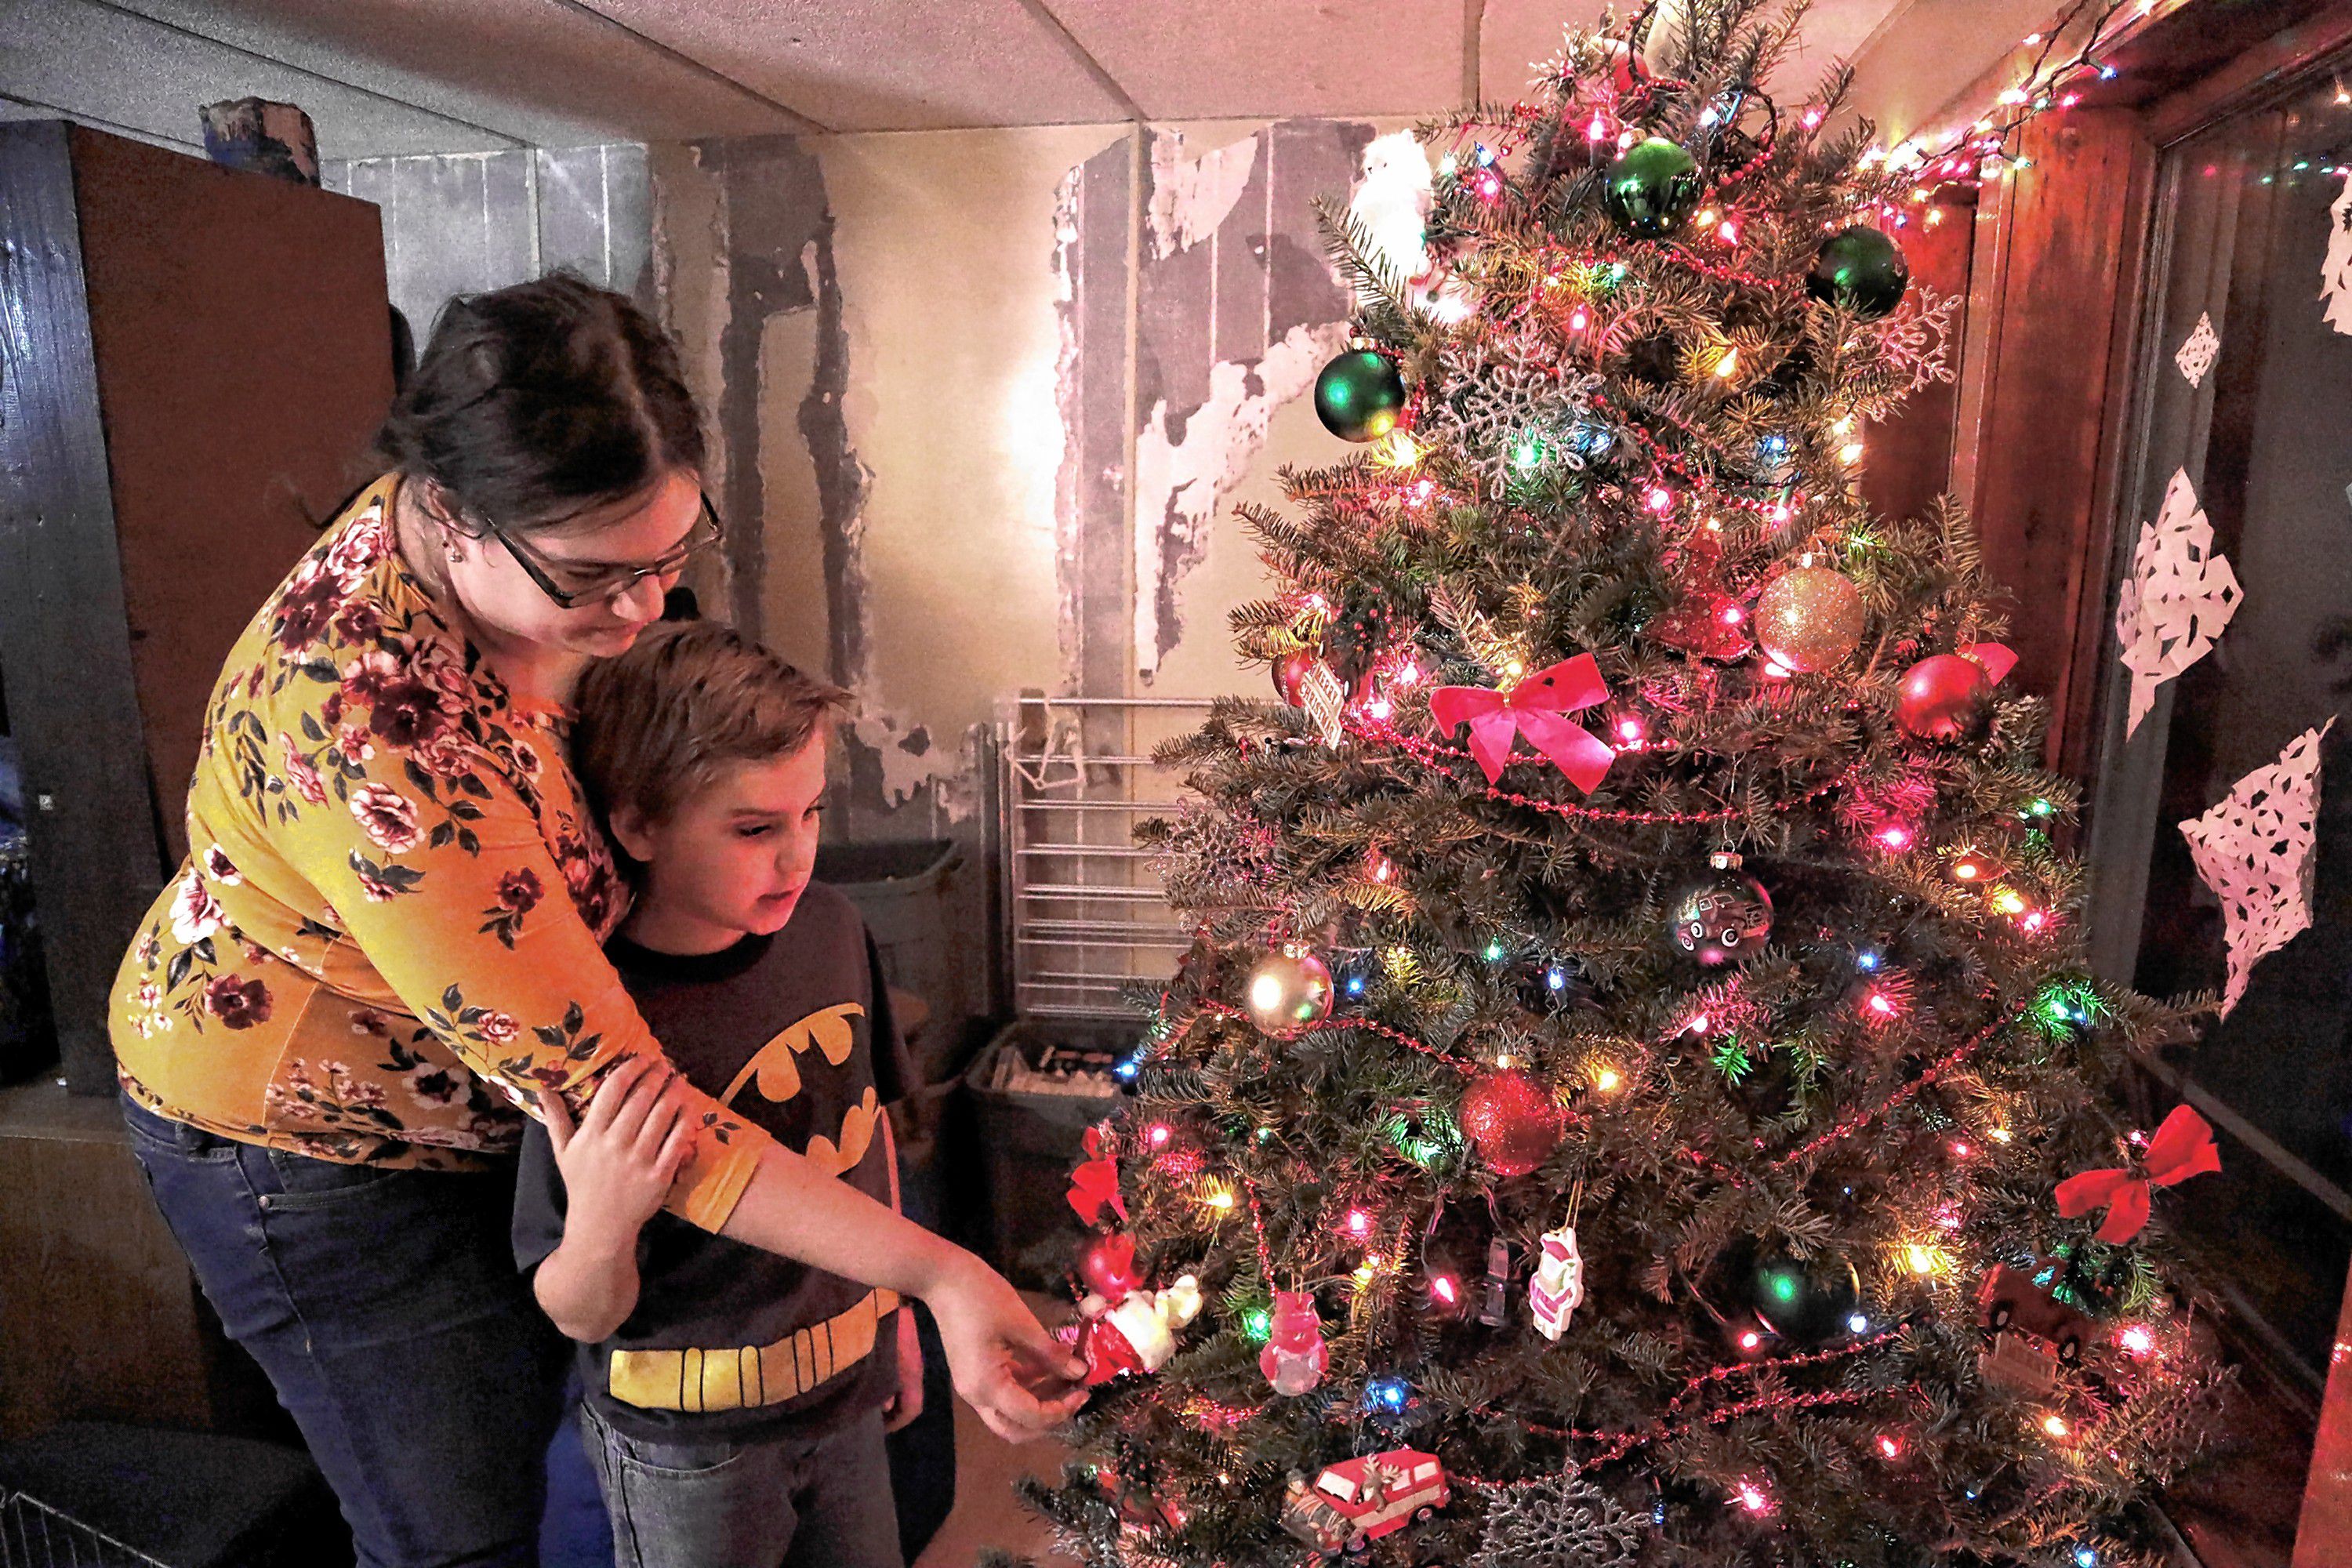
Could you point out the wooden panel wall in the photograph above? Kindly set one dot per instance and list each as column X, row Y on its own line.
column 2043, row 384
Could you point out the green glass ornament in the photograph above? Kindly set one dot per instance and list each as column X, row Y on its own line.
column 1359, row 395
column 1651, row 188
column 1862, row 270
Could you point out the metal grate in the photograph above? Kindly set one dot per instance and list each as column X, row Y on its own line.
column 1083, row 914
column 34, row 1535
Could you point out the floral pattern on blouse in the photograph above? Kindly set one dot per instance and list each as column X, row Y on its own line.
column 363, row 958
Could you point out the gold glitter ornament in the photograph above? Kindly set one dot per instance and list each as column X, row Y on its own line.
column 1810, row 619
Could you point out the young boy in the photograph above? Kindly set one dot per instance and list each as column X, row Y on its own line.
column 735, row 1399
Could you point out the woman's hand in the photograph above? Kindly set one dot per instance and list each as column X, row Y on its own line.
column 619, row 1163
column 1022, row 1381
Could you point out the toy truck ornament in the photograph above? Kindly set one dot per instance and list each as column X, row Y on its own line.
column 1355, row 1502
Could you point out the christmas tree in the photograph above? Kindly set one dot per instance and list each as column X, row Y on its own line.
column 1636, row 1096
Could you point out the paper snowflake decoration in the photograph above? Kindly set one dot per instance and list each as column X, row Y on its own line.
column 2196, row 354
column 2177, row 600
column 2336, row 271
column 1559, row 1521
column 2255, row 850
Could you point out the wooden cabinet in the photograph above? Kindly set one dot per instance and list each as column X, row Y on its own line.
column 192, row 360
column 192, row 363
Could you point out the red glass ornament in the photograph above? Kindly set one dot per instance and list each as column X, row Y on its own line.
column 1291, row 673
column 1512, row 1120
column 1942, row 697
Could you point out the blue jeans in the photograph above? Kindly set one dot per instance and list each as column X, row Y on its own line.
column 768, row 1502
column 385, row 1307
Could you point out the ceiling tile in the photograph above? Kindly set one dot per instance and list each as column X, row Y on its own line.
column 107, row 65
column 543, row 71
column 887, row 67
column 1268, row 59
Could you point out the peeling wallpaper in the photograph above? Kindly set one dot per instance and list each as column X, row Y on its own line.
column 991, row 394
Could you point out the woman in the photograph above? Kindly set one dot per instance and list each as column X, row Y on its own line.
column 385, row 939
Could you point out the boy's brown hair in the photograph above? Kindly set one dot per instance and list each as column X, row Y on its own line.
column 658, row 723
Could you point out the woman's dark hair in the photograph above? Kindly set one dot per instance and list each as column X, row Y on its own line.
column 536, row 402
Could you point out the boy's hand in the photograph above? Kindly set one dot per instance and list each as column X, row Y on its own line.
column 1022, row 1380
column 619, row 1163
column 907, row 1403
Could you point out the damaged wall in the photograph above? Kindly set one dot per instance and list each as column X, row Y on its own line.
column 991, row 395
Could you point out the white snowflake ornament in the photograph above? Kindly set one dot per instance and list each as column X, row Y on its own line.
column 2198, row 350
column 2255, row 850
column 2177, row 600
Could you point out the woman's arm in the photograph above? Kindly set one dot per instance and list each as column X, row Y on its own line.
column 1014, row 1373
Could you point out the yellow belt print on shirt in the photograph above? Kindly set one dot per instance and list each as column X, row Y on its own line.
column 747, row 1376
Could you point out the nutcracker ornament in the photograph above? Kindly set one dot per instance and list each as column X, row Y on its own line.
column 1558, row 1288
column 1295, row 1357
column 1137, row 1333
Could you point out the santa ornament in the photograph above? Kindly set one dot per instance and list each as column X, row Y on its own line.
column 1137, row 1334
column 1295, row 1357
column 1558, row 1288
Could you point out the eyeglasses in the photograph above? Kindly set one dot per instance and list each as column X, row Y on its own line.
column 603, row 587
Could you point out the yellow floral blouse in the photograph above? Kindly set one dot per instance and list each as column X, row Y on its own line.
column 388, row 928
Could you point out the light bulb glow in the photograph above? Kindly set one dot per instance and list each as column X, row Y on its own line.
column 1857, row 1324
column 1442, row 1286
column 1157, row 1135
column 1360, row 1223
column 1889, row 1445
column 1728, row 365
column 1754, row 1499
column 2137, row 1340
column 1219, row 1198
column 1921, row 1260
column 2056, row 1425
column 1607, row 1081
column 1660, row 499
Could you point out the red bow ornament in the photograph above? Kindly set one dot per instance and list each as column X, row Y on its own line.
column 1536, row 708
column 2182, row 1148
column 1094, row 1184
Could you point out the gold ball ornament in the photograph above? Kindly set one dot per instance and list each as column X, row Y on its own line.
column 1810, row 619
column 1289, row 989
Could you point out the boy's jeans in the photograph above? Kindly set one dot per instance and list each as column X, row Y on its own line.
column 777, row 1502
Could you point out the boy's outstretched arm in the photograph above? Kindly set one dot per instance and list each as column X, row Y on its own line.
column 1022, row 1381
column 617, row 1165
